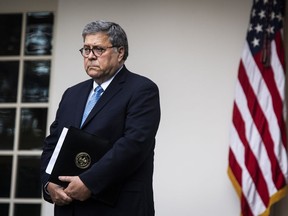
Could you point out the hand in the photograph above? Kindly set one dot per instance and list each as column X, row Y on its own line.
column 57, row 194
column 76, row 189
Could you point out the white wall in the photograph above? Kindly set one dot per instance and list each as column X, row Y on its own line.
column 191, row 49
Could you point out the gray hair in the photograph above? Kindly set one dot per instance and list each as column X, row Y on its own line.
column 116, row 34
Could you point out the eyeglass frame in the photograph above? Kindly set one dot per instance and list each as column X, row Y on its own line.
column 101, row 49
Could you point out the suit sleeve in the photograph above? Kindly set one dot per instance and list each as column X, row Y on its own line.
column 48, row 148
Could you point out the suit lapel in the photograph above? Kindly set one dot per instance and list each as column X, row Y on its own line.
column 112, row 90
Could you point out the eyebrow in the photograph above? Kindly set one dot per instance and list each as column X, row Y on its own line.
column 87, row 45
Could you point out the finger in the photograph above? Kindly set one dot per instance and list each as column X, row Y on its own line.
column 67, row 199
column 66, row 178
column 62, row 199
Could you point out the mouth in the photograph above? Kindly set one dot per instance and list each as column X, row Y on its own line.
column 93, row 66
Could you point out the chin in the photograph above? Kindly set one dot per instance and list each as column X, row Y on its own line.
column 94, row 73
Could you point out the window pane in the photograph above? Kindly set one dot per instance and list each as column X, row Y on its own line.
column 36, row 81
column 28, row 183
column 5, row 176
column 27, row 210
column 7, row 128
column 8, row 81
column 4, row 209
column 32, row 128
column 39, row 31
column 10, row 37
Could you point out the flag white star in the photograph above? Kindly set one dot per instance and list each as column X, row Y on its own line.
column 258, row 28
column 279, row 17
column 262, row 14
column 253, row 13
column 272, row 15
column 270, row 29
column 255, row 42
column 250, row 27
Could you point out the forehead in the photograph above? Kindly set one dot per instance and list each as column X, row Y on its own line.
column 97, row 39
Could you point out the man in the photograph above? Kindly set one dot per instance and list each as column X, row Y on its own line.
column 127, row 114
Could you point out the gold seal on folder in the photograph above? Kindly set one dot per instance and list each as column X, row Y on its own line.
column 82, row 160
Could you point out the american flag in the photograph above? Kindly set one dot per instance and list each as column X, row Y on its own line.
column 257, row 151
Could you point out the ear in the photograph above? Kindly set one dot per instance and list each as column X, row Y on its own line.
column 121, row 52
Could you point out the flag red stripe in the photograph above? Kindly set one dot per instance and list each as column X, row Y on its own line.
column 281, row 56
column 280, row 49
column 251, row 162
column 246, row 210
column 235, row 167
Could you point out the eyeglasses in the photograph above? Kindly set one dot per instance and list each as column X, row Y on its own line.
column 97, row 51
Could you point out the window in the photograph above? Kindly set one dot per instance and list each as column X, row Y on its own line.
column 25, row 66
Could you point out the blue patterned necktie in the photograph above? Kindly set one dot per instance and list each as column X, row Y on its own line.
column 93, row 100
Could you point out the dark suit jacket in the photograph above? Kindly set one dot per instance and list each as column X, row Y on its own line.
column 128, row 115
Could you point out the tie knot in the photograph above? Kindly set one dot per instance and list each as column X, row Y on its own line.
column 98, row 90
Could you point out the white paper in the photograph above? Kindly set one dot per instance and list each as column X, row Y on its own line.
column 56, row 151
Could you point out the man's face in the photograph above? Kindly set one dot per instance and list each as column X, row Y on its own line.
column 105, row 66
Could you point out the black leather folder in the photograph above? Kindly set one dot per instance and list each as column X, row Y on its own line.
column 79, row 151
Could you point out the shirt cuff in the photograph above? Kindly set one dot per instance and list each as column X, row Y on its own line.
column 45, row 188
